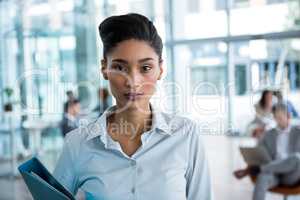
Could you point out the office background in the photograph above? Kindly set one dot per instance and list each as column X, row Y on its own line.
column 219, row 55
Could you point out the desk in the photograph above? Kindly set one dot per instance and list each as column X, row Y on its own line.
column 10, row 128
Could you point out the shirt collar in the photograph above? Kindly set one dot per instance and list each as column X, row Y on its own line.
column 159, row 121
column 70, row 117
column 98, row 128
column 286, row 130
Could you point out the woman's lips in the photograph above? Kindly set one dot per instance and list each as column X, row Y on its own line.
column 132, row 95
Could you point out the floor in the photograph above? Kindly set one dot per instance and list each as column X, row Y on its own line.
column 223, row 155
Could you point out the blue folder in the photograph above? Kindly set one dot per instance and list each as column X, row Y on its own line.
column 41, row 184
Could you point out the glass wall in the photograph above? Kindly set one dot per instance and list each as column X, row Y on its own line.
column 199, row 19
column 55, row 47
column 217, row 53
column 233, row 50
column 218, row 57
column 258, row 16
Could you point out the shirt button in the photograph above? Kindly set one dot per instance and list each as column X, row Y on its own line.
column 132, row 163
column 133, row 190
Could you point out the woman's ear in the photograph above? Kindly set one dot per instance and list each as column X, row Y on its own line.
column 161, row 69
column 104, row 69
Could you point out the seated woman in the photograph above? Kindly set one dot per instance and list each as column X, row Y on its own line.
column 134, row 151
column 283, row 146
column 263, row 115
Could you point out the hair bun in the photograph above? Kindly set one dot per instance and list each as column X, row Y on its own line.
column 116, row 29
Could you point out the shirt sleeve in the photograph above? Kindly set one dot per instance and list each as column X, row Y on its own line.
column 64, row 171
column 198, row 176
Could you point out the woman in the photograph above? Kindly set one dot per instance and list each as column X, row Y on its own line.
column 133, row 151
column 263, row 115
column 264, row 107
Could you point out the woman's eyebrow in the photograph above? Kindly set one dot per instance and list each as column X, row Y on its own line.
column 120, row 61
column 145, row 59
column 126, row 62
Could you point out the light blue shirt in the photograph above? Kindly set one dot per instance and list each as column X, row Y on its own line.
column 169, row 165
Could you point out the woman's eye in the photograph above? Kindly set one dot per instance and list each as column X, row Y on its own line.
column 119, row 68
column 146, row 68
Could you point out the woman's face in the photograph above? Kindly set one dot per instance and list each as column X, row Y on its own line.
column 132, row 69
column 269, row 97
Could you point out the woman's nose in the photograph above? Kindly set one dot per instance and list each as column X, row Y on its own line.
column 134, row 80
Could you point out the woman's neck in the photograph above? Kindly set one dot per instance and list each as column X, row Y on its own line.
column 133, row 122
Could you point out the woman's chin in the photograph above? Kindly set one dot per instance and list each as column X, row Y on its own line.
column 134, row 104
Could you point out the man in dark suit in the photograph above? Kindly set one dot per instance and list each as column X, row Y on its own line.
column 70, row 118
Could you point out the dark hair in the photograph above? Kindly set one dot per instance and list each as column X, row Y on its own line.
column 70, row 103
column 69, row 92
column 262, row 101
column 280, row 107
column 116, row 29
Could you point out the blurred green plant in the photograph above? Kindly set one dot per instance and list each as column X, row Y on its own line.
column 9, row 92
column 8, row 107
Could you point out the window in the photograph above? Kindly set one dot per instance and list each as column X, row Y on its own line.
column 240, row 79
column 193, row 6
column 208, row 80
column 210, row 21
column 251, row 18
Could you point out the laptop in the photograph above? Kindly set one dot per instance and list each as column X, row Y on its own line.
column 255, row 156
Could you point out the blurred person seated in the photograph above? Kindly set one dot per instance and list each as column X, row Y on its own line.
column 263, row 120
column 70, row 118
column 70, row 97
column 283, row 146
column 288, row 103
column 103, row 96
